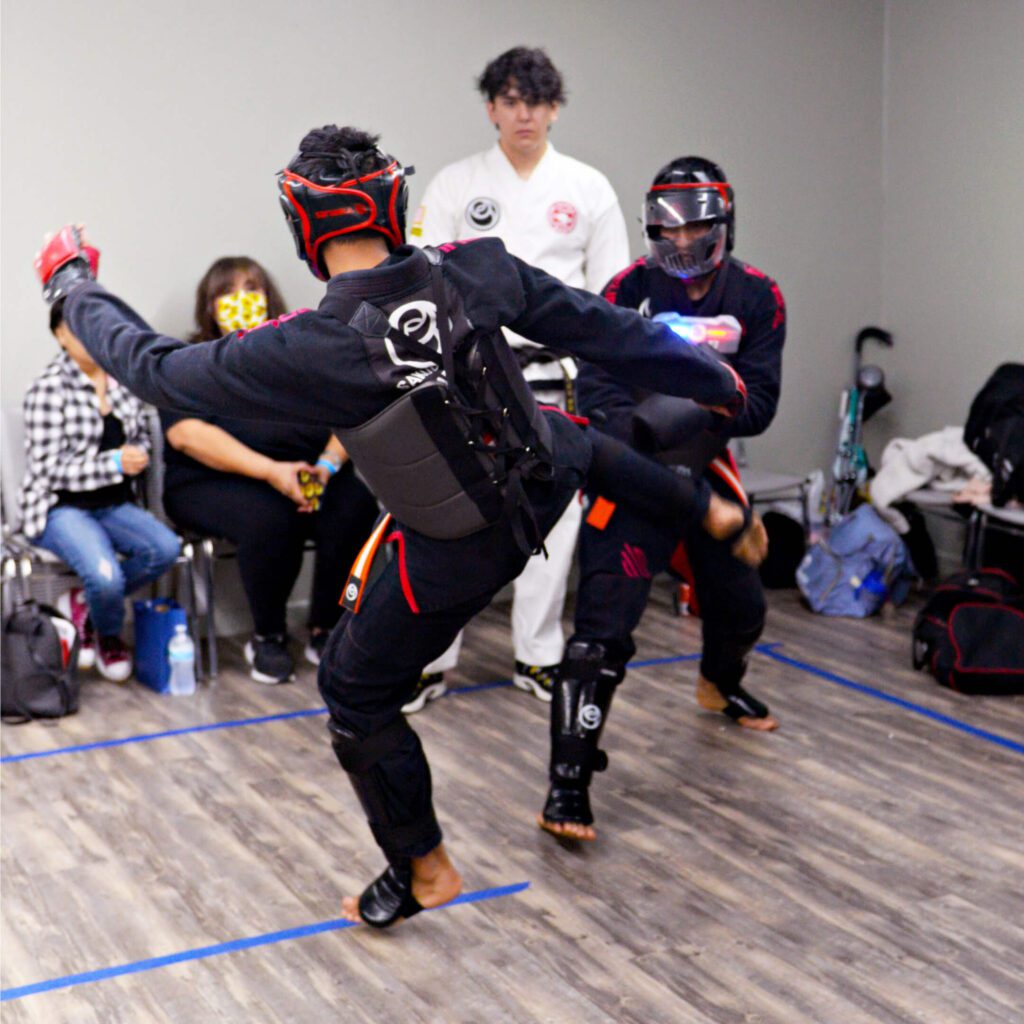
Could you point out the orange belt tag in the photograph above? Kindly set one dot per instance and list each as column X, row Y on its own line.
column 600, row 513
column 352, row 595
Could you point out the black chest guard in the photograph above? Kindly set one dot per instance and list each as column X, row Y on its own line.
column 449, row 456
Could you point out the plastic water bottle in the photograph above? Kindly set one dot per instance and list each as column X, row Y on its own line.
column 181, row 656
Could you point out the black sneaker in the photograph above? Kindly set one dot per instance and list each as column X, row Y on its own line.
column 315, row 647
column 269, row 659
column 536, row 679
column 430, row 687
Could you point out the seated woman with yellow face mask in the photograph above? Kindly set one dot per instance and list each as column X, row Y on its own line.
column 239, row 479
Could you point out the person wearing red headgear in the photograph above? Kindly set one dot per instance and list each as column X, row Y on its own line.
column 405, row 361
column 689, row 279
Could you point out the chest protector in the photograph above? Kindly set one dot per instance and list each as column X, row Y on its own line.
column 451, row 455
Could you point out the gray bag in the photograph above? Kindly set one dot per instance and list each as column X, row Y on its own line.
column 36, row 682
column 861, row 565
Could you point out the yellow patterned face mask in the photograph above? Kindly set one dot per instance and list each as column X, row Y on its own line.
column 240, row 311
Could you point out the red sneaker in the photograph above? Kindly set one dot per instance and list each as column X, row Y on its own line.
column 113, row 659
column 72, row 605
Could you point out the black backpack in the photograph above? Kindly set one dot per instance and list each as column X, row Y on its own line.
column 38, row 679
column 995, row 431
column 970, row 633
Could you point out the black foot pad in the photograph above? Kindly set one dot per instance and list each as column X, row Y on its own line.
column 388, row 897
column 741, row 704
column 568, row 805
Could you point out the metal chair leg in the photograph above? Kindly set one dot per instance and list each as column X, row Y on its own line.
column 211, row 632
column 974, row 541
column 188, row 564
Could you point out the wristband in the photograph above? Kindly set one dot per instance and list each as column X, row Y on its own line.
column 118, row 460
column 328, row 465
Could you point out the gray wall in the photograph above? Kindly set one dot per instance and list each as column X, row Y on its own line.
column 161, row 126
column 954, row 218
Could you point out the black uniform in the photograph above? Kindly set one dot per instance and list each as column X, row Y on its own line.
column 619, row 559
column 268, row 528
column 315, row 368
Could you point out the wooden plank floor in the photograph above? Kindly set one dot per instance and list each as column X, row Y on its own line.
column 861, row 866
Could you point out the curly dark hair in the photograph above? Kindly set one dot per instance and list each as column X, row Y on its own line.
column 530, row 71
column 217, row 282
column 335, row 154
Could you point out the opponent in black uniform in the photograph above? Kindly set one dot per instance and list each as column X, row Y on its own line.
column 405, row 361
column 689, row 219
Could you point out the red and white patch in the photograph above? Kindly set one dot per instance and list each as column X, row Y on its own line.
column 562, row 217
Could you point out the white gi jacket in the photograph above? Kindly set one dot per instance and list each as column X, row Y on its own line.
column 564, row 219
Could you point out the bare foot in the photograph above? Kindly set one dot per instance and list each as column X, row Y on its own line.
column 567, row 829
column 435, row 882
column 710, row 698
column 723, row 518
column 751, row 547
column 767, row 724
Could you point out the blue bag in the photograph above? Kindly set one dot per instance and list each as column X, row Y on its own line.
column 154, row 626
column 861, row 564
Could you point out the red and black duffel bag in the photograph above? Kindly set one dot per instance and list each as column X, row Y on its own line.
column 970, row 633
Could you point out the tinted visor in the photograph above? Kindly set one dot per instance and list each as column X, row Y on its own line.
column 673, row 207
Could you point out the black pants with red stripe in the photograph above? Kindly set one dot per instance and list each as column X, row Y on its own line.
column 617, row 564
column 369, row 669
column 374, row 658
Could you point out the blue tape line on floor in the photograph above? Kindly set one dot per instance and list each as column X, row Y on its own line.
column 953, row 723
column 237, row 723
column 473, row 687
column 286, row 935
column 145, row 737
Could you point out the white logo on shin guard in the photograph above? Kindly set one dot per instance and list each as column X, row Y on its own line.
column 589, row 716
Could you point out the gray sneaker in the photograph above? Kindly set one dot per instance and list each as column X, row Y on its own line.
column 430, row 687
column 536, row 679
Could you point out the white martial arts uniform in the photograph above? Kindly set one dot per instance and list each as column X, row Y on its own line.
column 565, row 219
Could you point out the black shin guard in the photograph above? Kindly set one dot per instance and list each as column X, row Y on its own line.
column 395, row 820
column 579, row 710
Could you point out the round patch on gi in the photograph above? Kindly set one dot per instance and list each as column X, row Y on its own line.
column 351, row 592
column 483, row 213
column 562, row 217
column 589, row 716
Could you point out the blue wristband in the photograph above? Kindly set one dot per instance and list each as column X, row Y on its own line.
column 118, row 463
column 328, row 465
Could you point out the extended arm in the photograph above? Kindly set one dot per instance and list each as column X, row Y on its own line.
column 264, row 375
column 638, row 351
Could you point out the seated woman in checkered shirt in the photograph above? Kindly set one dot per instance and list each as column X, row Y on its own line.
column 85, row 440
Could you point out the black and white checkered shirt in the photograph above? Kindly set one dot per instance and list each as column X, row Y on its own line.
column 63, row 428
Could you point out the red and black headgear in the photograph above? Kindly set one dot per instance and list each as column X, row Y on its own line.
column 688, row 190
column 343, row 200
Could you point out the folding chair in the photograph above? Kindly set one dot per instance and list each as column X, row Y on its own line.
column 40, row 572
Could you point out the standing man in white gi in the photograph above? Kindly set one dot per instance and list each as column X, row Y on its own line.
column 558, row 214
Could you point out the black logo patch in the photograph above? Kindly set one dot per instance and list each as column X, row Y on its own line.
column 483, row 213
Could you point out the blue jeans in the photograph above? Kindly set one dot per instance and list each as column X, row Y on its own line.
column 89, row 542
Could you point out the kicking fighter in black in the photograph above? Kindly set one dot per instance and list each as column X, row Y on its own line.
column 405, row 361
column 689, row 220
